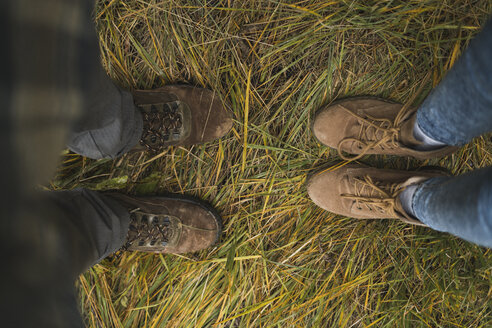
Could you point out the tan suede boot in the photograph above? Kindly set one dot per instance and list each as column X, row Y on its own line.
column 169, row 224
column 362, row 192
column 180, row 115
column 364, row 125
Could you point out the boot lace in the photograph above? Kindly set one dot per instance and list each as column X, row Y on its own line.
column 374, row 132
column 161, row 126
column 375, row 196
column 148, row 230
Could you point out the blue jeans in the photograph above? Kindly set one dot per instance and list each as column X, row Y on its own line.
column 457, row 110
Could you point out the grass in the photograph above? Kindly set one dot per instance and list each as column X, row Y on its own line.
column 283, row 262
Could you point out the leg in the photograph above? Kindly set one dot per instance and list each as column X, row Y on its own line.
column 95, row 226
column 47, row 69
column 110, row 125
column 54, row 237
column 458, row 205
column 460, row 107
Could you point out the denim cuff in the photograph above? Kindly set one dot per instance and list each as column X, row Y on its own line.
column 441, row 134
column 419, row 201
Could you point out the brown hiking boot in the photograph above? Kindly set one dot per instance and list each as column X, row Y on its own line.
column 362, row 192
column 371, row 126
column 180, row 115
column 172, row 224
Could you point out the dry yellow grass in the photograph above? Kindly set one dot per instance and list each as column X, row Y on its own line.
column 282, row 261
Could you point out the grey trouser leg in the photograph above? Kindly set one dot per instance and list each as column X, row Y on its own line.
column 101, row 222
column 53, row 237
column 110, row 125
column 50, row 73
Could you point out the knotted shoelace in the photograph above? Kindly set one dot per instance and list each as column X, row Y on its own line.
column 378, row 197
column 374, row 132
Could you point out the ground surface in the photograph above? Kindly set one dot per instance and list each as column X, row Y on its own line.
column 282, row 261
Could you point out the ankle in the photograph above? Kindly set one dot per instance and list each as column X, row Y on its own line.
column 406, row 200
column 414, row 137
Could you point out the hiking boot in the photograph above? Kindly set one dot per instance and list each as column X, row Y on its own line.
column 371, row 126
column 362, row 192
column 180, row 115
column 172, row 224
